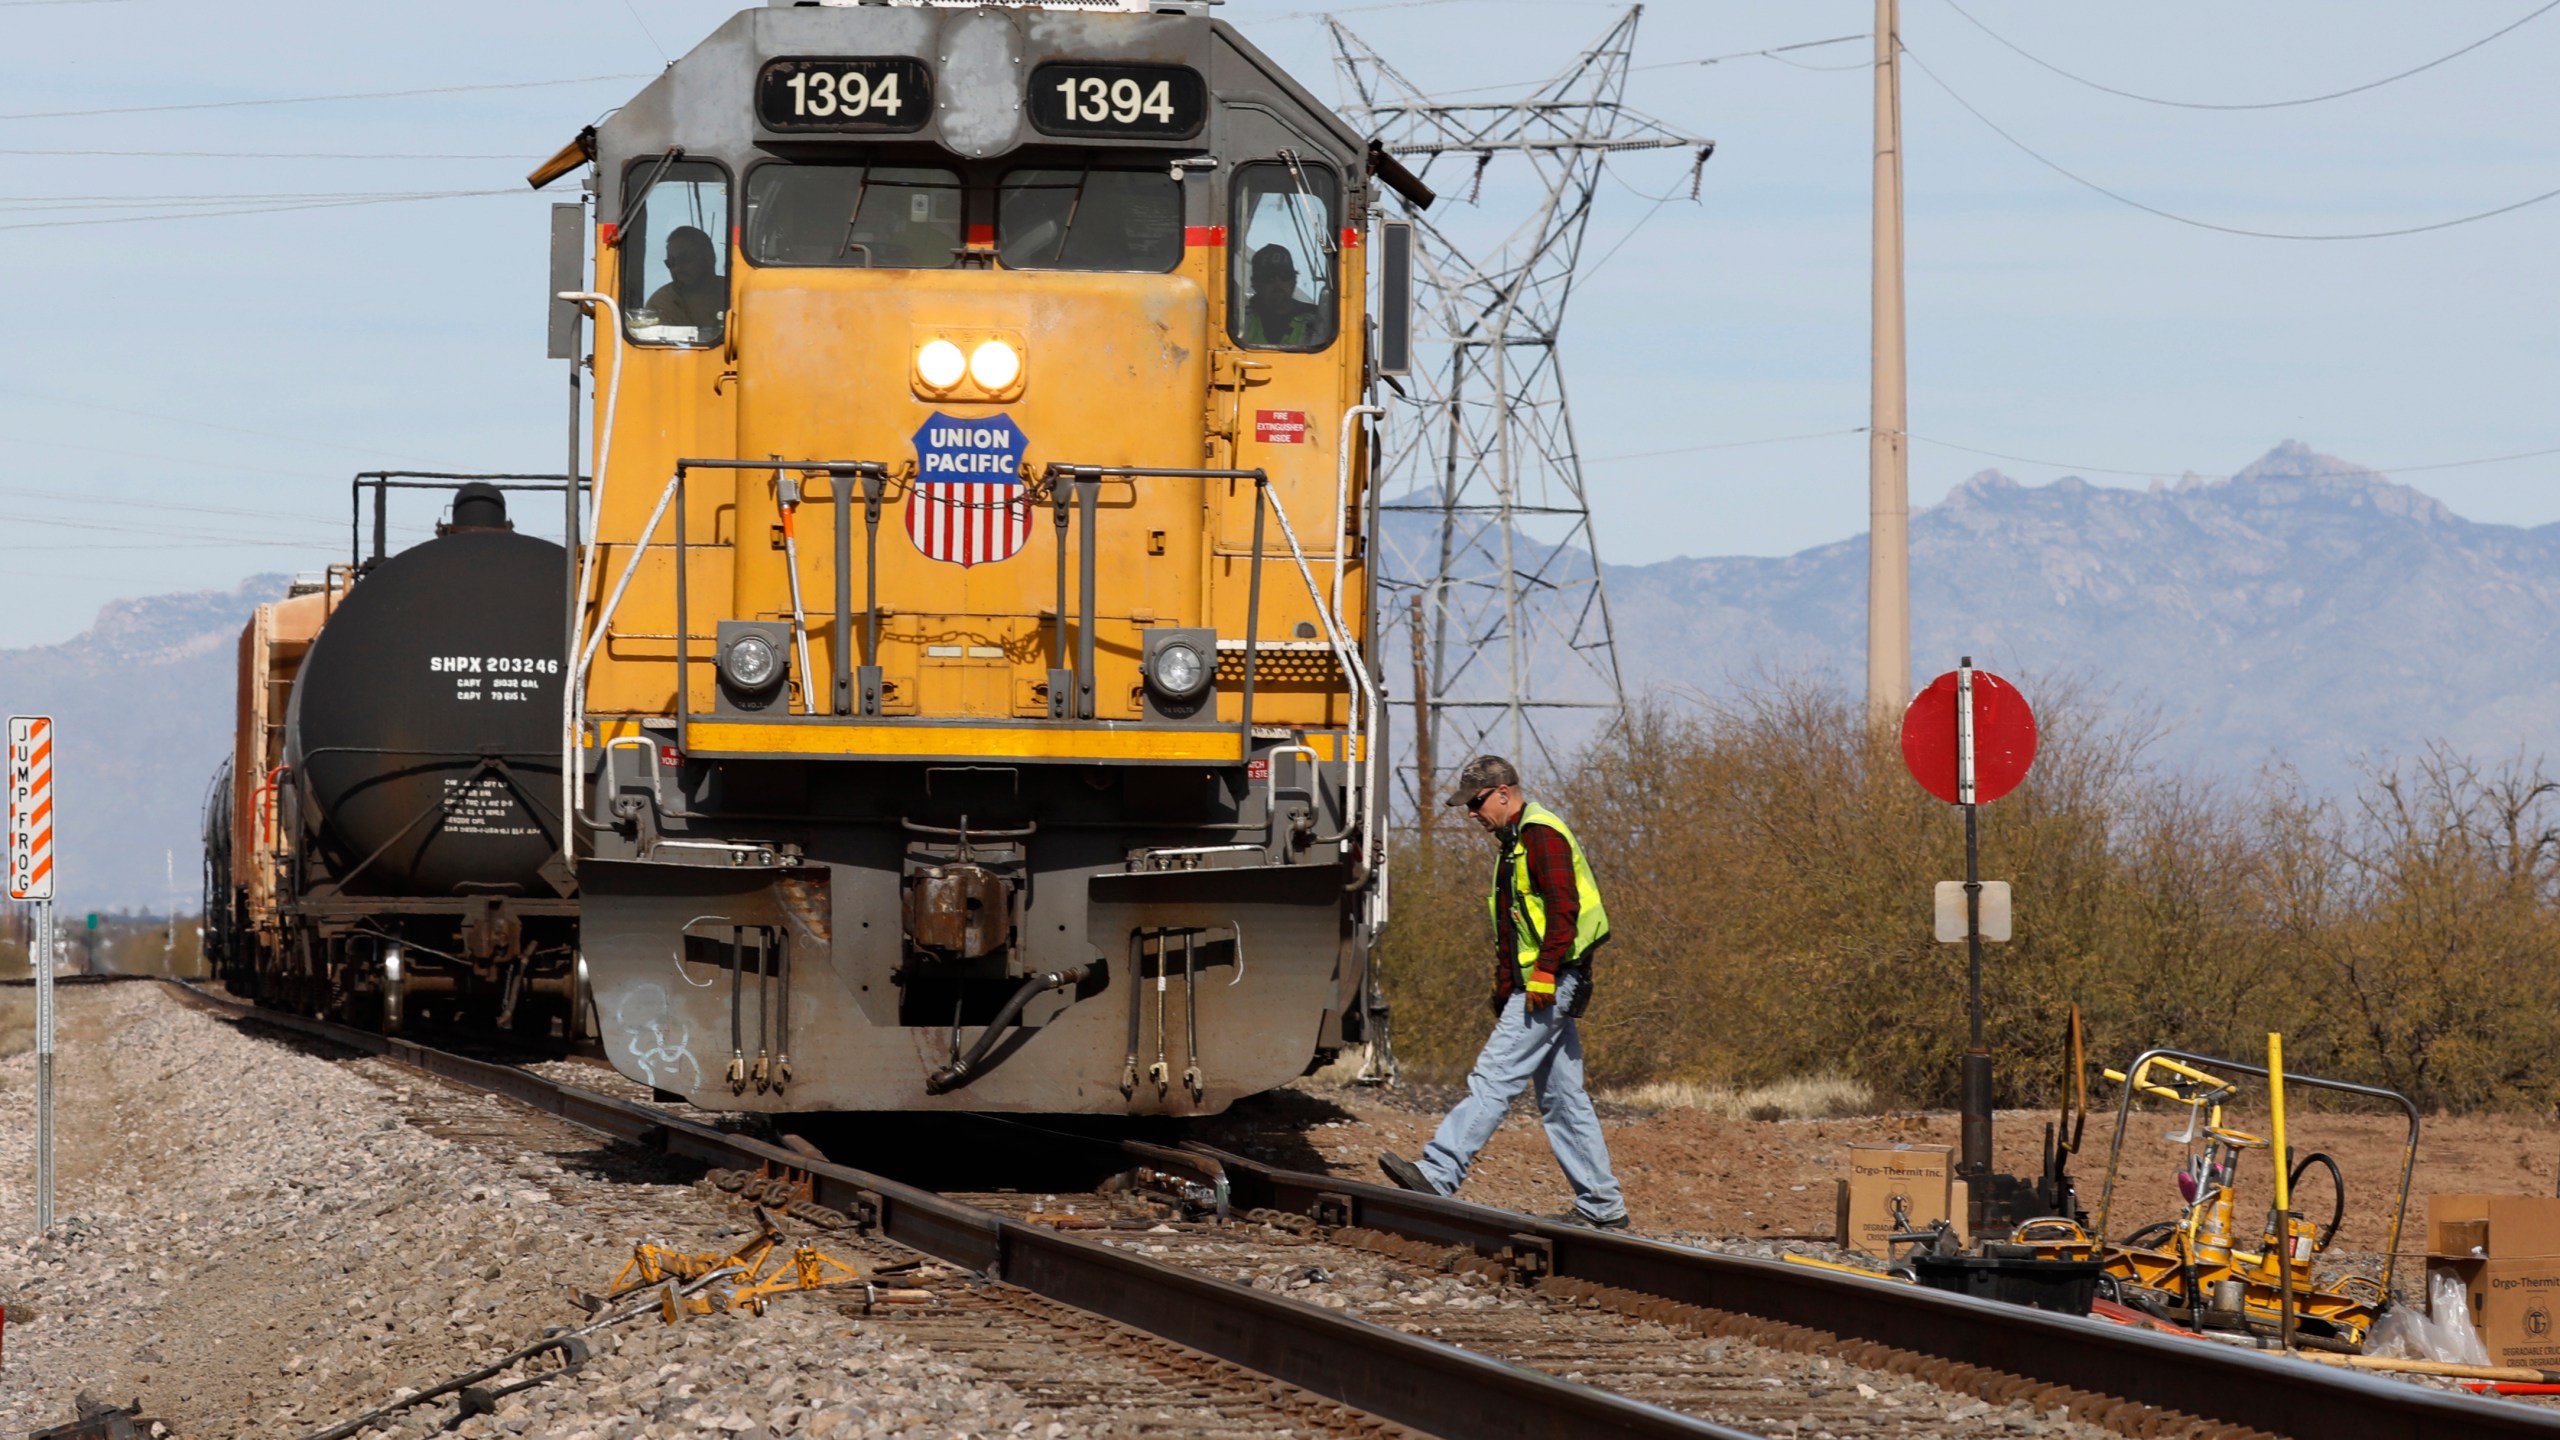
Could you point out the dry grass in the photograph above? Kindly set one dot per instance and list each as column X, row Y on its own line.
column 17, row 1025
column 1342, row 1074
column 1769, row 868
column 1808, row 1097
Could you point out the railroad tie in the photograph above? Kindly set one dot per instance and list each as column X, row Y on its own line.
column 2130, row 1418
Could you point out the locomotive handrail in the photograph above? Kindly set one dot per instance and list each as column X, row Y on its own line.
column 1364, row 723
column 601, row 309
column 673, row 492
column 868, row 470
column 1362, row 695
column 1086, row 480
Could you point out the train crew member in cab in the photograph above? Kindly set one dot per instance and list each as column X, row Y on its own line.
column 1273, row 313
column 1547, row 921
column 695, row 293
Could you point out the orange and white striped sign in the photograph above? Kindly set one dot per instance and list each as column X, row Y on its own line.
column 30, row 807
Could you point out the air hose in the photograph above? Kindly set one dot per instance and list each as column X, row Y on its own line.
column 961, row 1071
column 2337, row 1188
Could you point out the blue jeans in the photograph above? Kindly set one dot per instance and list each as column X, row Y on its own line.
column 1541, row 1048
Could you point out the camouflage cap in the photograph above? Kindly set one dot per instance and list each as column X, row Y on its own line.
column 1480, row 774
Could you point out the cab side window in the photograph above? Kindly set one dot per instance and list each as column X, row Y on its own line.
column 1283, row 287
column 675, row 249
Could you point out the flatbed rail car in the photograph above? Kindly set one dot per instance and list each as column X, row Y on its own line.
column 973, row 699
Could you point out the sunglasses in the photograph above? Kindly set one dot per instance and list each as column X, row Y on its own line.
column 1481, row 796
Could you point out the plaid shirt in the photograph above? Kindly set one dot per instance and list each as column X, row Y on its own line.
column 1551, row 871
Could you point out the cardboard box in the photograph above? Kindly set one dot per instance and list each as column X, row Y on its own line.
column 2515, row 1305
column 2458, row 1239
column 2494, row 1227
column 1920, row 1176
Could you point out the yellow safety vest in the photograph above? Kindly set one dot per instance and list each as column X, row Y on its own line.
column 1529, row 908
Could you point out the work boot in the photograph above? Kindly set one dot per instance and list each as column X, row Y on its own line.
column 1576, row 1217
column 1405, row 1173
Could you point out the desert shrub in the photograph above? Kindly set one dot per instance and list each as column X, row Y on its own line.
column 2424, row 923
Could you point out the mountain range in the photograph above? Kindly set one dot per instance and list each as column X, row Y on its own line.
column 2305, row 611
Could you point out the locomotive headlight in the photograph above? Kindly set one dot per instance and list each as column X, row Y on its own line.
column 751, row 664
column 1177, row 670
column 995, row 365
column 939, row 364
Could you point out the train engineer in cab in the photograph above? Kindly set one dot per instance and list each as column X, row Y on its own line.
column 1547, row 921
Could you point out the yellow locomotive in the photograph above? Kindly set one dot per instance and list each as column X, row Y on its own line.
column 971, row 698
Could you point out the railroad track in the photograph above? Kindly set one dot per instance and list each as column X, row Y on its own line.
column 1182, row 1318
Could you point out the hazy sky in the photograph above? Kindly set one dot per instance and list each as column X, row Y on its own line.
column 187, row 396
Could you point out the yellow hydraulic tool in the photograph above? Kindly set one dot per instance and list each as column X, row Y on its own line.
column 2198, row 1269
column 803, row 1267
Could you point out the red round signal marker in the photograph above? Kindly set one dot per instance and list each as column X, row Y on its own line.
column 2004, row 738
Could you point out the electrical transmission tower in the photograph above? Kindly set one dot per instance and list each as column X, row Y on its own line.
column 1486, row 556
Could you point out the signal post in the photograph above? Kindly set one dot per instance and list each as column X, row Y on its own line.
column 31, row 875
column 1969, row 738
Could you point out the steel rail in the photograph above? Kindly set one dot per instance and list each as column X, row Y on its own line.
column 2216, row 1382
column 1431, row 1387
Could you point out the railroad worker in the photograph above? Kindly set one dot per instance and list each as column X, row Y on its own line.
column 1547, row 921
column 1273, row 313
column 696, row 294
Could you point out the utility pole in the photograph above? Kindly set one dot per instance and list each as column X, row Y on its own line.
column 1888, row 439
column 1425, row 781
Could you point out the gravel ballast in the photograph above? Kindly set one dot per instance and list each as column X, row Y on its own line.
column 255, row 1240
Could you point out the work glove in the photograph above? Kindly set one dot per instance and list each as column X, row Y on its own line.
column 1542, row 988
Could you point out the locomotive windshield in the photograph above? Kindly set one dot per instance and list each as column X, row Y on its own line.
column 675, row 282
column 1282, row 256
column 1089, row 219
column 865, row 216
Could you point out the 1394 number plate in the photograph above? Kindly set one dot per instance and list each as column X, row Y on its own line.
column 1148, row 102
column 873, row 93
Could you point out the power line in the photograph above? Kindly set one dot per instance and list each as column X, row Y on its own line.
column 200, row 214
column 54, row 545
column 2120, row 198
column 1773, row 52
column 2014, row 48
column 317, row 99
column 368, row 453
column 1726, row 445
column 1331, row 11
column 1825, row 69
column 128, row 505
column 253, row 154
column 229, row 197
column 1612, row 252
column 197, row 461
column 646, row 31
column 112, row 528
